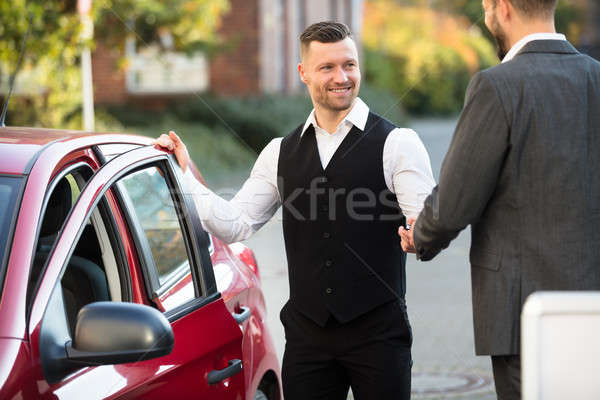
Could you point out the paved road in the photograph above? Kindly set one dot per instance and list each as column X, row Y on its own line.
column 438, row 298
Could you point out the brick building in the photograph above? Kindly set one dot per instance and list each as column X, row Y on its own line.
column 261, row 57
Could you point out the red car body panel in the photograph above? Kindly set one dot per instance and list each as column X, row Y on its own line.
column 205, row 339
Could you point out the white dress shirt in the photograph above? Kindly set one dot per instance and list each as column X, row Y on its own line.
column 530, row 38
column 406, row 167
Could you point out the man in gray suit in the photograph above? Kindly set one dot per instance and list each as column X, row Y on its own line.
column 523, row 169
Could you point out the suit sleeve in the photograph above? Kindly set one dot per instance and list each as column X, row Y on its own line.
column 470, row 170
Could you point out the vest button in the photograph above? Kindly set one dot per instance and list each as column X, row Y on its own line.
column 328, row 263
column 329, row 290
column 326, row 235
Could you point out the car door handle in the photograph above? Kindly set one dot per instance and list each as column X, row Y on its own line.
column 244, row 315
column 217, row 375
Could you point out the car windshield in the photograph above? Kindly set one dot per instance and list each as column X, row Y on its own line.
column 9, row 190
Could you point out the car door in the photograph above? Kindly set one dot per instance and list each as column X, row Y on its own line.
column 172, row 264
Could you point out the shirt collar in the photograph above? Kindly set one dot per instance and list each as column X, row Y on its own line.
column 530, row 38
column 357, row 116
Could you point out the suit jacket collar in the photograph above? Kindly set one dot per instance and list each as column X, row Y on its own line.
column 548, row 46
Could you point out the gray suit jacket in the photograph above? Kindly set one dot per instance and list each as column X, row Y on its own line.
column 523, row 169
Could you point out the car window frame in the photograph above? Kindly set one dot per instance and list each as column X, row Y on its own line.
column 110, row 224
column 154, row 288
column 11, row 230
column 61, row 251
column 195, row 238
column 31, row 292
column 206, row 278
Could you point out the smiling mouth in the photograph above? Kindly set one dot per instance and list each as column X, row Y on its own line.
column 340, row 90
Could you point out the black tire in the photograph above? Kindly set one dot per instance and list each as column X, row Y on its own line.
column 260, row 395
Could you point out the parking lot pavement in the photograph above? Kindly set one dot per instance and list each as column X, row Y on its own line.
column 438, row 299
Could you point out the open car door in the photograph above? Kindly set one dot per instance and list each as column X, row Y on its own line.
column 172, row 262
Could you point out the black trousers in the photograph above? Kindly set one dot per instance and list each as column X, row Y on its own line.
column 507, row 376
column 370, row 354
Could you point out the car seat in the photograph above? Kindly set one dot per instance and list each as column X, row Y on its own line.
column 84, row 281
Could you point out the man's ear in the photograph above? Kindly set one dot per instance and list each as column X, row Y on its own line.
column 505, row 9
column 301, row 72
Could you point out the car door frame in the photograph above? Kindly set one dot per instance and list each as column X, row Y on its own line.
column 91, row 195
column 197, row 242
column 102, row 181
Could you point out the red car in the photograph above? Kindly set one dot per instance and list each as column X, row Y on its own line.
column 109, row 286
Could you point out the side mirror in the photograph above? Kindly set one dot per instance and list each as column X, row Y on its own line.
column 105, row 333
column 116, row 333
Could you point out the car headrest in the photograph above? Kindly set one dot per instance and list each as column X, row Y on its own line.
column 57, row 209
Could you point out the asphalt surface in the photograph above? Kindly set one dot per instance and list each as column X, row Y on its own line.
column 438, row 299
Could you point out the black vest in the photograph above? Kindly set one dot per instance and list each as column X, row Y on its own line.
column 340, row 225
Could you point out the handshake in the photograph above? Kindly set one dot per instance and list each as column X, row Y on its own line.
column 407, row 236
column 173, row 143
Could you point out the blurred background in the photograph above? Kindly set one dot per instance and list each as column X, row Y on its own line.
column 222, row 73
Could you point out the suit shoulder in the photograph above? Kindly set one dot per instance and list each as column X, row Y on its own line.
column 499, row 71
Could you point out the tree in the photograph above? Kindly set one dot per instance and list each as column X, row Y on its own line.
column 192, row 23
column 50, row 81
column 425, row 56
column 569, row 15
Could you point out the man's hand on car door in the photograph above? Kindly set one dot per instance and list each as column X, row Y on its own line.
column 172, row 142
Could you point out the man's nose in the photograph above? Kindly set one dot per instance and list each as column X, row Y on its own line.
column 340, row 75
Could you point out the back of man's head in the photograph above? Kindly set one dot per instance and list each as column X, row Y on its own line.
column 536, row 9
column 324, row 32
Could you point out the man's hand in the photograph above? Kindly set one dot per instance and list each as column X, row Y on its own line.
column 406, row 235
column 172, row 142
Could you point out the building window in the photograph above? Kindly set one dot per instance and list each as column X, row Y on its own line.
column 164, row 72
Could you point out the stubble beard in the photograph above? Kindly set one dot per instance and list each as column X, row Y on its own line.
column 500, row 37
column 331, row 105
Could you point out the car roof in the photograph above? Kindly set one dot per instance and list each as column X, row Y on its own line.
column 20, row 146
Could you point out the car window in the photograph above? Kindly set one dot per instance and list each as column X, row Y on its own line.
column 153, row 205
column 96, row 271
column 66, row 188
column 9, row 191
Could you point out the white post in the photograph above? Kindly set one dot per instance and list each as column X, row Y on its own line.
column 86, row 74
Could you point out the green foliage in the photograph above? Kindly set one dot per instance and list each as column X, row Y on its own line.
column 383, row 102
column 49, row 76
column 255, row 120
column 569, row 16
column 191, row 23
column 49, row 85
column 427, row 60
column 569, row 20
column 225, row 162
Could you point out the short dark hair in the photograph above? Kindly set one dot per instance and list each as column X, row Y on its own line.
column 324, row 32
column 534, row 8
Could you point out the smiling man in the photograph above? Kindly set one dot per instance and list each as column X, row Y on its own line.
column 346, row 178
